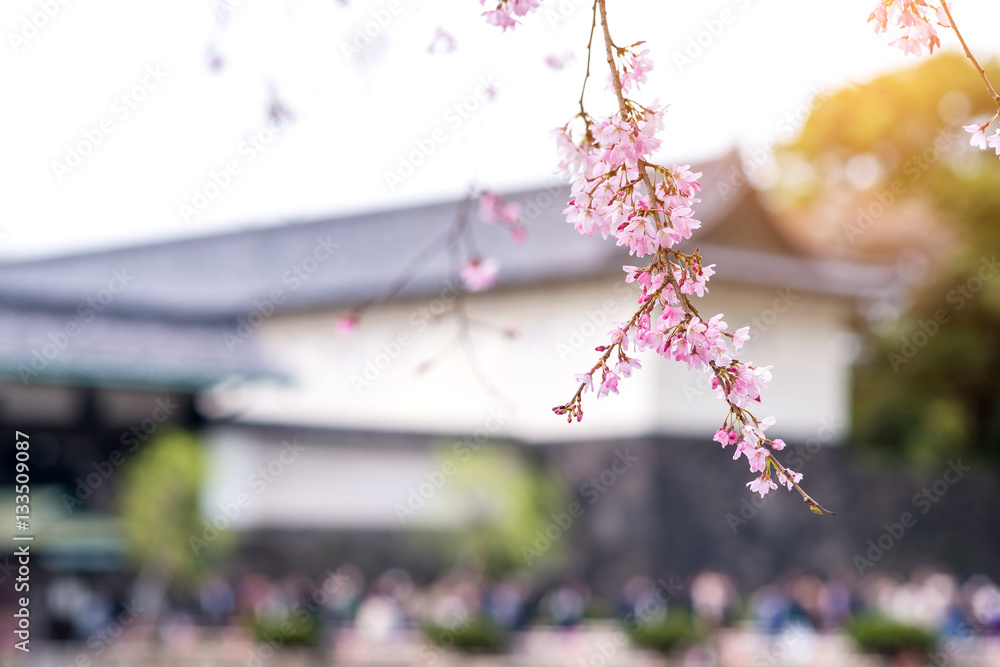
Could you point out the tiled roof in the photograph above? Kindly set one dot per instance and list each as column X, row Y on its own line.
column 51, row 343
column 354, row 257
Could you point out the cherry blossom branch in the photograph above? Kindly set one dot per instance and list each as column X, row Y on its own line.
column 602, row 362
column 608, row 165
column 914, row 20
column 806, row 498
column 590, row 42
column 734, row 409
column 468, row 272
column 465, row 322
column 970, row 56
column 476, row 274
column 609, row 47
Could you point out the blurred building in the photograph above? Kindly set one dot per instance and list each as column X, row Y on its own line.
column 327, row 436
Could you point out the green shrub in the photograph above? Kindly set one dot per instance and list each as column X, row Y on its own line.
column 884, row 636
column 475, row 635
column 676, row 629
column 298, row 629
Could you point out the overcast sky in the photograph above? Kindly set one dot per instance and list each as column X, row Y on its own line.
column 114, row 123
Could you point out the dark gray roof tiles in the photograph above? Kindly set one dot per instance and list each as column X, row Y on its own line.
column 341, row 261
column 91, row 348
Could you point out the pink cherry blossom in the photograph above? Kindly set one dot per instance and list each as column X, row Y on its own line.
column 506, row 10
column 490, row 205
column 510, row 214
column 479, row 274
column 742, row 446
column 587, row 379
column 762, row 485
column 609, row 384
column 522, row 7
column 685, row 181
column 725, row 437
column 785, row 481
column 740, row 337
column 913, row 21
column 978, row 135
column 994, row 141
column 758, row 459
column 557, row 62
column 500, row 18
column 626, row 366
column 443, row 42
column 618, row 334
column 347, row 324
column 493, row 209
column 881, row 17
column 635, row 69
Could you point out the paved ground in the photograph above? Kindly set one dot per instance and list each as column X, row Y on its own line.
column 599, row 646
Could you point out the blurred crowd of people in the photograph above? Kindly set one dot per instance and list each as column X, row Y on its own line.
column 394, row 605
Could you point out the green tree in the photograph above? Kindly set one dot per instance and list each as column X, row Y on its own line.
column 506, row 498
column 928, row 386
column 160, row 508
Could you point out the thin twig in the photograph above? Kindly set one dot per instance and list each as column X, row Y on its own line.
column 590, row 42
column 968, row 53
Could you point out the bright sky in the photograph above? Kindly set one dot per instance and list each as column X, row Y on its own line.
column 133, row 78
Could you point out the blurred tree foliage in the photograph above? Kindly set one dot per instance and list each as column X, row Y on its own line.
column 507, row 501
column 928, row 385
column 519, row 497
column 160, row 508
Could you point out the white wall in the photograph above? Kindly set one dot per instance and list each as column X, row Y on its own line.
column 258, row 482
column 807, row 344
